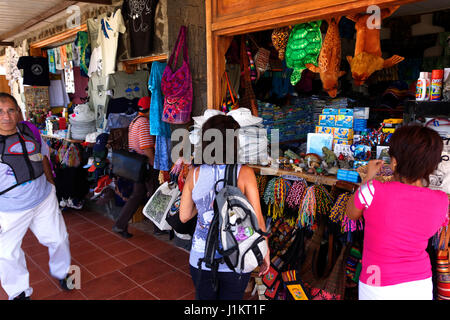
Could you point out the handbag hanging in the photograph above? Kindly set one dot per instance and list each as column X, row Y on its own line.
column 177, row 85
column 247, row 98
column 443, row 265
column 129, row 165
column 230, row 102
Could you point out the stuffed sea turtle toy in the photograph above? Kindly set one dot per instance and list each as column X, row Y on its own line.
column 305, row 42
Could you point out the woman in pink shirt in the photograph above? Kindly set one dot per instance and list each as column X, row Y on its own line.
column 400, row 217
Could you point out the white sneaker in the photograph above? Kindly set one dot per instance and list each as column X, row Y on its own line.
column 63, row 203
column 69, row 203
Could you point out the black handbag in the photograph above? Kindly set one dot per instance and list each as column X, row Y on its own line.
column 173, row 219
column 130, row 165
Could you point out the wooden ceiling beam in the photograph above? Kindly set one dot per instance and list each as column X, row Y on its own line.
column 39, row 18
column 104, row 2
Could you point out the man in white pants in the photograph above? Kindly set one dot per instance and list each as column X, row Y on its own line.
column 27, row 200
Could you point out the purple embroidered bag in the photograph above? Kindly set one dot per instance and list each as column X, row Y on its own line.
column 177, row 85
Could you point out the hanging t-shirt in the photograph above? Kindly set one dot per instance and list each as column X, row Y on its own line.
column 35, row 70
column 69, row 78
column 51, row 61
column 95, row 65
column 158, row 127
column 140, row 21
column 81, row 87
column 76, row 55
column 122, row 105
column 57, row 91
column 93, row 25
column 62, row 50
column 108, row 37
column 69, row 52
column 82, row 41
column 129, row 86
column 58, row 64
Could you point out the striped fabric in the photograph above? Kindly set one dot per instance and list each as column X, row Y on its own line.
column 139, row 137
column 366, row 193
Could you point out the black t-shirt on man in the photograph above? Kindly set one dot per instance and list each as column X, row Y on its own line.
column 35, row 70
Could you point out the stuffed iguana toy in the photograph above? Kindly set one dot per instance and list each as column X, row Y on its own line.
column 330, row 59
column 367, row 58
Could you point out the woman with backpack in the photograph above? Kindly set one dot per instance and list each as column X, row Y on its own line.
column 198, row 199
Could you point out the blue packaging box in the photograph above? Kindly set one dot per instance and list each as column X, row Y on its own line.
column 348, row 175
column 346, row 112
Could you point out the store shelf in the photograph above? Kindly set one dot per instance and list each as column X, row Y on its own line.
column 318, row 179
column 56, row 137
column 148, row 59
column 415, row 109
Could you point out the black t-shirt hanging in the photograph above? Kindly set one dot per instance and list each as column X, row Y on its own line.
column 35, row 70
column 140, row 21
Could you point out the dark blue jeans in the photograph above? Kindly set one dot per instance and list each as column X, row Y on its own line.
column 231, row 285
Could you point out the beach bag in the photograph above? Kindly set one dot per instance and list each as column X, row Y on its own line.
column 160, row 203
column 443, row 266
column 234, row 232
column 177, row 85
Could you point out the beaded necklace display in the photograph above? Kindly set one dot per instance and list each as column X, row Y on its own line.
column 338, row 215
column 261, row 181
column 294, row 201
column 281, row 189
column 317, row 201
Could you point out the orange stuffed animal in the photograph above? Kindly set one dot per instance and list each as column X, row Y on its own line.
column 367, row 58
column 330, row 59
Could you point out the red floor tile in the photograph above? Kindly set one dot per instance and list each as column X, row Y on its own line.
column 106, row 239
column 107, row 286
column 104, row 267
column 118, row 247
column 175, row 257
column 158, row 247
column 91, row 256
column 82, row 226
column 132, row 257
column 146, row 270
column 80, row 247
column 36, row 250
column 170, row 286
column 94, row 233
column 44, row 289
column 143, row 241
column 135, row 294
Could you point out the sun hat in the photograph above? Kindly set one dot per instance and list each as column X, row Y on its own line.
column 82, row 113
column 200, row 120
column 144, row 104
column 92, row 137
column 244, row 117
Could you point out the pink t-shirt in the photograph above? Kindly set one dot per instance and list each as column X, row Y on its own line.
column 399, row 221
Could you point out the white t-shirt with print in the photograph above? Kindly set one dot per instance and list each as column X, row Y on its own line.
column 108, row 38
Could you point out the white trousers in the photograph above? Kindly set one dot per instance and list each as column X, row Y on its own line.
column 46, row 222
column 414, row 290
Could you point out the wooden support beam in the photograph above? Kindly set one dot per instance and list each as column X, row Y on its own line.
column 58, row 37
column 6, row 44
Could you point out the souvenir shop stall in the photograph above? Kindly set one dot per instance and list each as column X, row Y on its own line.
column 329, row 92
column 82, row 94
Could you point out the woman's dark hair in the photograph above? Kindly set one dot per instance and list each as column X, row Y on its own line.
column 220, row 123
column 417, row 150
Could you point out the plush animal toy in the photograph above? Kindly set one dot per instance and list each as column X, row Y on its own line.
column 367, row 58
column 330, row 59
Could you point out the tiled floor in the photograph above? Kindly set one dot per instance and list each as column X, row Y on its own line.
column 140, row 268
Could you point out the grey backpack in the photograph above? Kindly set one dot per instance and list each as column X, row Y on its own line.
column 234, row 232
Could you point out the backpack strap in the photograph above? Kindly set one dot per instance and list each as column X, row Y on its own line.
column 231, row 175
